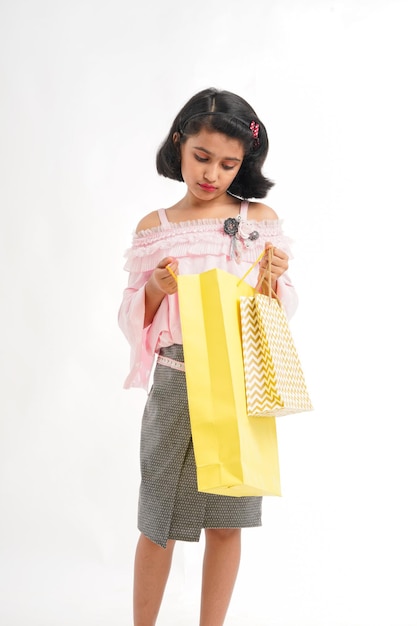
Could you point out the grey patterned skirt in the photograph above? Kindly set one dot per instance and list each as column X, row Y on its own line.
column 170, row 507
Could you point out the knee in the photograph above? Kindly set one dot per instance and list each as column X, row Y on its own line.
column 223, row 534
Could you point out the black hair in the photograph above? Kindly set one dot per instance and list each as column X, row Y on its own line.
column 227, row 113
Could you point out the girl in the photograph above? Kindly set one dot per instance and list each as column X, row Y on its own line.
column 217, row 145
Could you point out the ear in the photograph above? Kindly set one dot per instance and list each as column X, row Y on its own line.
column 176, row 138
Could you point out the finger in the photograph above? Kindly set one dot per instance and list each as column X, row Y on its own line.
column 172, row 271
column 171, row 284
column 165, row 261
column 276, row 251
column 279, row 262
column 280, row 254
column 173, row 266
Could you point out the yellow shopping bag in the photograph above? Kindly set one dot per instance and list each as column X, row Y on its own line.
column 274, row 379
column 236, row 455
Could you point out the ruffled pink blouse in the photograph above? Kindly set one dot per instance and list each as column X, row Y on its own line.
column 198, row 245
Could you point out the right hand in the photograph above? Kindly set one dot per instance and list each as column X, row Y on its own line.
column 161, row 277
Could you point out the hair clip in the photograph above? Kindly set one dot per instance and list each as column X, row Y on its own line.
column 255, row 133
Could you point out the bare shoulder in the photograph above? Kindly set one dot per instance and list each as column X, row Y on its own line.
column 259, row 211
column 149, row 221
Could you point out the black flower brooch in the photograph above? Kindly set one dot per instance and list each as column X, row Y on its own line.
column 241, row 235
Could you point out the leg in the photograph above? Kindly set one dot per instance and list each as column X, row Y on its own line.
column 152, row 565
column 220, row 567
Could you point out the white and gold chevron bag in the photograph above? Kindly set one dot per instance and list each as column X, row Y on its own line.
column 274, row 380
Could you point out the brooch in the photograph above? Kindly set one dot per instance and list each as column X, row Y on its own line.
column 241, row 235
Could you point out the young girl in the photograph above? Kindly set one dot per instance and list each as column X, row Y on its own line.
column 216, row 146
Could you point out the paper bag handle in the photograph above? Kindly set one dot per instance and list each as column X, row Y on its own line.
column 260, row 257
column 173, row 274
column 266, row 274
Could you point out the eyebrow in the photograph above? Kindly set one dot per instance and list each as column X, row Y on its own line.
column 211, row 154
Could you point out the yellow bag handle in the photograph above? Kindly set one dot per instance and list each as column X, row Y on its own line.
column 260, row 257
column 173, row 274
column 266, row 274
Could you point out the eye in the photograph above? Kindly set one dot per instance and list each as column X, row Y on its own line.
column 228, row 167
column 200, row 158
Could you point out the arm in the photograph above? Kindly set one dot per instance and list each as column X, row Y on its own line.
column 160, row 283
column 279, row 265
column 144, row 314
column 142, row 300
column 280, row 280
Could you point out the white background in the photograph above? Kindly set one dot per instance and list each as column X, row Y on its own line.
column 88, row 91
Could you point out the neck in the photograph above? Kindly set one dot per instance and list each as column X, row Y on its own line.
column 191, row 208
column 190, row 202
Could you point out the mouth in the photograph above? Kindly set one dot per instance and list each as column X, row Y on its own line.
column 206, row 187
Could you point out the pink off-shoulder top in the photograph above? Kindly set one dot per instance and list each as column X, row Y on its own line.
column 198, row 245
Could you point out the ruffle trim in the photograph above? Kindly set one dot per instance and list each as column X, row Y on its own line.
column 198, row 238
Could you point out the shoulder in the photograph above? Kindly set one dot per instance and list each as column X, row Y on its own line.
column 149, row 221
column 259, row 211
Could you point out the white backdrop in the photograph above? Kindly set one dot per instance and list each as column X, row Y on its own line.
column 88, row 91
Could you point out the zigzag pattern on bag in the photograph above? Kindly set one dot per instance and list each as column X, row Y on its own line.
column 260, row 379
column 272, row 366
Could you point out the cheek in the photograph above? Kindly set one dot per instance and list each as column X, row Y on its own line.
column 184, row 166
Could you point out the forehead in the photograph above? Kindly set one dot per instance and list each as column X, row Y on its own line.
column 216, row 143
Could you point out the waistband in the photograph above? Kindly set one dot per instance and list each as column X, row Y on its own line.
column 175, row 365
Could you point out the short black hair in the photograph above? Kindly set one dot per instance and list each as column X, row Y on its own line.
column 227, row 113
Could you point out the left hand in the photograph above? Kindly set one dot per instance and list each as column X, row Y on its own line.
column 279, row 263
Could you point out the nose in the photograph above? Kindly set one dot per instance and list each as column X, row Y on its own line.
column 210, row 173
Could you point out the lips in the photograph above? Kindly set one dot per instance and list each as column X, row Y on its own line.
column 207, row 187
